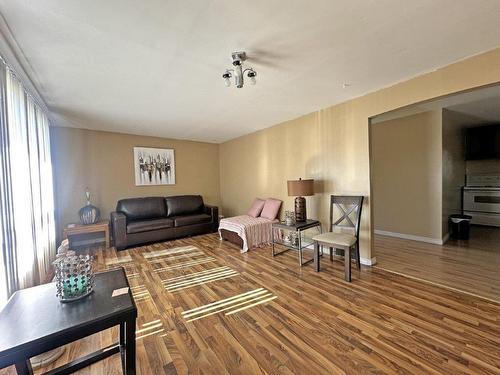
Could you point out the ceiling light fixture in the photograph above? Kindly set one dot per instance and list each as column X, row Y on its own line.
column 238, row 72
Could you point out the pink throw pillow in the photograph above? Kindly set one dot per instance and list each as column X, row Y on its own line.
column 271, row 208
column 256, row 209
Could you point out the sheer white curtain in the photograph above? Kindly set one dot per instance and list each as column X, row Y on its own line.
column 26, row 193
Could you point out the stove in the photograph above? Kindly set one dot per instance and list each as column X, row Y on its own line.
column 481, row 199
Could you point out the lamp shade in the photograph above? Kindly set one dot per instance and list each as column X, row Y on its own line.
column 300, row 188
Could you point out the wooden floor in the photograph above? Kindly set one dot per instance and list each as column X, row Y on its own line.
column 472, row 266
column 280, row 319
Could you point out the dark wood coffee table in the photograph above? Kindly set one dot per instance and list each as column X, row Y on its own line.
column 34, row 321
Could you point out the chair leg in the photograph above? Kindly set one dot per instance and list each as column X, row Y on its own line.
column 347, row 264
column 331, row 254
column 316, row 257
column 358, row 258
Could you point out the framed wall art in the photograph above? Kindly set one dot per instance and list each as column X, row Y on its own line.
column 154, row 166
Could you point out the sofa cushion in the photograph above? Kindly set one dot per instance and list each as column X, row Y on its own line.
column 138, row 226
column 256, row 209
column 180, row 221
column 142, row 208
column 184, row 205
column 342, row 239
column 271, row 209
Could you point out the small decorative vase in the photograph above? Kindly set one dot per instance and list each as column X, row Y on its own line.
column 89, row 214
column 74, row 276
column 289, row 218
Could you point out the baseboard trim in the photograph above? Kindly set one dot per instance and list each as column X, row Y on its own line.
column 435, row 241
column 368, row 261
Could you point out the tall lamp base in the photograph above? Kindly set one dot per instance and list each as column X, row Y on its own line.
column 300, row 209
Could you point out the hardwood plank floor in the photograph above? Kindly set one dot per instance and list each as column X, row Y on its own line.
column 316, row 323
column 471, row 266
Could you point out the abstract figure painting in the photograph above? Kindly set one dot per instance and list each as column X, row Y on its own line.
column 154, row 166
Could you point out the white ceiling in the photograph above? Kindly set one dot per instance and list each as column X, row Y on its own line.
column 154, row 67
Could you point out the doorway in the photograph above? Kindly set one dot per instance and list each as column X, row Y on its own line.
column 421, row 170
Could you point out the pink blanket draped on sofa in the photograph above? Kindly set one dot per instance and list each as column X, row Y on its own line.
column 254, row 231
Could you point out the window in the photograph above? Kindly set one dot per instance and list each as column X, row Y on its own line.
column 27, row 232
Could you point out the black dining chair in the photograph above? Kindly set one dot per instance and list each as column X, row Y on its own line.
column 345, row 215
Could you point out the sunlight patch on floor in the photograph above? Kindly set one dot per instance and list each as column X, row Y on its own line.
column 140, row 293
column 174, row 250
column 198, row 278
column 120, row 260
column 230, row 305
column 149, row 329
column 189, row 263
column 182, row 256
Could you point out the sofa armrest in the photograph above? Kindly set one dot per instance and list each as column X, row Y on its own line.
column 213, row 211
column 119, row 229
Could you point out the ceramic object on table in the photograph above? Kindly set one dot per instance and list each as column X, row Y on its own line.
column 89, row 214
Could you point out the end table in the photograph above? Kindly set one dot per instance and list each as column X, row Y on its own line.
column 298, row 227
column 101, row 226
column 34, row 321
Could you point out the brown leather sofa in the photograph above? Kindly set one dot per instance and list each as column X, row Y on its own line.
column 142, row 220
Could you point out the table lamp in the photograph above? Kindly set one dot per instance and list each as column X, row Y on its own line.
column 300, row 188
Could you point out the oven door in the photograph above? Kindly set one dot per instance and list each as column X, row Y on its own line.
column 481, row 200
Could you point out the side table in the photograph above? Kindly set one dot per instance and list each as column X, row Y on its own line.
column 298, row 228
column 101, row 226
column 34, row 321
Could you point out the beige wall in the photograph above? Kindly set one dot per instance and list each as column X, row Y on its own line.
column 103, row 161
column 332, row 145
column 407, row 175
column 425, row 148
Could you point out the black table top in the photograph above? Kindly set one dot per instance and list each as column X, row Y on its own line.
column 36, row 313
column 298, row 225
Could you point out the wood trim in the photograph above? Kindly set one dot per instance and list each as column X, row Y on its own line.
column 435, row 241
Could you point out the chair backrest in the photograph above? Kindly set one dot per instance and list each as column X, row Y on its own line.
column 345, row 212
